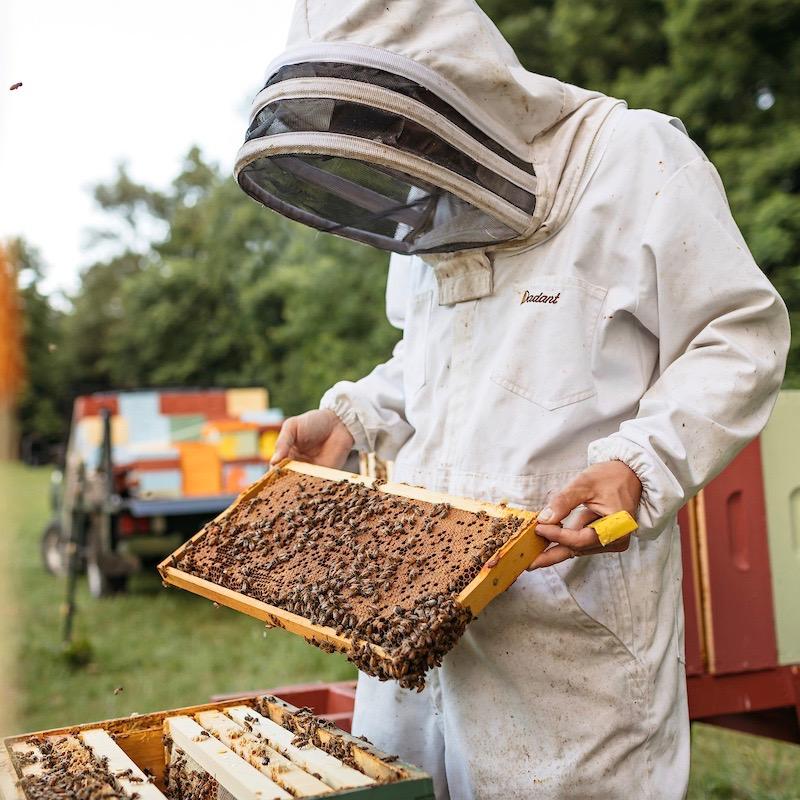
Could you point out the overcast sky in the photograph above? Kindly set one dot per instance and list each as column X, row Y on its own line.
column 111, row 80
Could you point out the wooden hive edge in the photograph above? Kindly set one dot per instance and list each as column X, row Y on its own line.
column 694, row 536
column 9, row 779
column 704, row 576
column 408, row 491
column 124, row 726
column 508, row 563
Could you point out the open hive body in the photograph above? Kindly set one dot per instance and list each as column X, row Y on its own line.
column 388, row 574
column 242, row 749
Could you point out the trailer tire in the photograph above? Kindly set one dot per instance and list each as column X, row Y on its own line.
column 54, row 549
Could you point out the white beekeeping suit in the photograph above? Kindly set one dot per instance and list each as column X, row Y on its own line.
column 574, row 291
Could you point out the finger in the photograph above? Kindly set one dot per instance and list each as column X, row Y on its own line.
column 559, row 504
column 285, row 441
column 618, row 546
column 615, row 547
column 577, row 540
column 551, row 556
column 581, row 519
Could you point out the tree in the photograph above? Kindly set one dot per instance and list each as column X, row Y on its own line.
column 41, row 411
column 723, row 68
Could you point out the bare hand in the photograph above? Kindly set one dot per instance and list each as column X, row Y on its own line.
column 602, row 489
column 317, row 437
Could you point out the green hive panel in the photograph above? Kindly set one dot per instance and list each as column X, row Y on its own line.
column 420, row 789
column 780, row 454
column 186, row 427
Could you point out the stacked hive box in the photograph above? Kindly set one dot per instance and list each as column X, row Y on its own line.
column 246, row 750
column 741, row 545
column 180, row 443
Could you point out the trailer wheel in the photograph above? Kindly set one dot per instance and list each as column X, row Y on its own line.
column 102, row 582
column 54, row 549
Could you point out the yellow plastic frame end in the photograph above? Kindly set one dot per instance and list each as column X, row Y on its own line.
column 614, row 527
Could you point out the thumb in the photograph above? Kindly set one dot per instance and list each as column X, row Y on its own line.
column 560, row 504
column 285, row 442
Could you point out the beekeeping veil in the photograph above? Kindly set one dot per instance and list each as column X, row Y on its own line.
column 410, row 125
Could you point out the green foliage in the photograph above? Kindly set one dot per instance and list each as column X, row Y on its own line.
column 41, row 409
column 238, row 296
column 737, row 766
column 726, row 69
column 209, row 289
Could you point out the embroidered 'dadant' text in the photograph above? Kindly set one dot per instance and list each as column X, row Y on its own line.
column 527, row 297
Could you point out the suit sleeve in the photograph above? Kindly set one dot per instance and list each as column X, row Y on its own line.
column 723, row 336
column 373, row 408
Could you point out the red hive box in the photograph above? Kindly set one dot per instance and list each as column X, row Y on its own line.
column 735, row 572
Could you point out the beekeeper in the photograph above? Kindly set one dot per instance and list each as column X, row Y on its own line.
column 584, row 331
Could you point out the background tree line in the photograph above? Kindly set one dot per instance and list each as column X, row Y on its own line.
column 207, row 288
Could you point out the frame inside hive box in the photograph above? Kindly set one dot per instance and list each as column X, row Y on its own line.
column 290, row 749
column 444, row 559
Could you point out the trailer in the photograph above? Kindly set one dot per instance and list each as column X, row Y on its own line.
column 144, row 470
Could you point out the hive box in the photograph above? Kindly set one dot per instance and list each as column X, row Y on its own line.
column 140, row 737
column 735, row 570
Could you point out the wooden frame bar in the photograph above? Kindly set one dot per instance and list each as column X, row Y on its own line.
column 692, row 594
column 367, row 757
column 255, row 751
column 120, row 765
column 310, row 758
column 9, row 781
column 231, row 771
column 84, row 755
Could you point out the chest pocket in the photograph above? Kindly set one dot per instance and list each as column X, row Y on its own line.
column 415, row 338
column 545, row 355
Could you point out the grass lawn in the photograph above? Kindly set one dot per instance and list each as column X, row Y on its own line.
column 167, row 648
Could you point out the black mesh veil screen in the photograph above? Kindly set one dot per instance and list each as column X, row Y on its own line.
column 370, row 204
